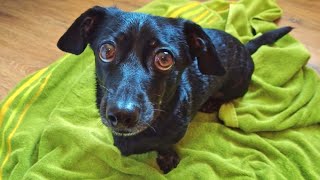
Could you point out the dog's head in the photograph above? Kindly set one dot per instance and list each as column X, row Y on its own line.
column 139, row 61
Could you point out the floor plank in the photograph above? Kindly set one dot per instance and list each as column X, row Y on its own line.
column 30, row 29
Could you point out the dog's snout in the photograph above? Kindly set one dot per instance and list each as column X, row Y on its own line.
column 123, row 117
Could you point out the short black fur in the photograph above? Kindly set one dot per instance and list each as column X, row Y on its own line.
column 150, row 109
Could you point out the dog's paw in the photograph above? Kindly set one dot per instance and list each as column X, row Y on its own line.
column 168, row 161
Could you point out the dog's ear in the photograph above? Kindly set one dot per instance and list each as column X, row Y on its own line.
column 202, row 48
column 75, row 39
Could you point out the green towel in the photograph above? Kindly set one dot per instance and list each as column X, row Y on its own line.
column 50, row 127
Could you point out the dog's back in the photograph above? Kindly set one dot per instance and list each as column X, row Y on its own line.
column 236, row 60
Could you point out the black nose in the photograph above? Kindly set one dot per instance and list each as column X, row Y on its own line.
column 123, row 117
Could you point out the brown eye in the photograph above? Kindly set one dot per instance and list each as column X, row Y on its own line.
column 163, row 60
column 107, row 52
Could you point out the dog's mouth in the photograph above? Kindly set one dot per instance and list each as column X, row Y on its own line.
column 127, row 133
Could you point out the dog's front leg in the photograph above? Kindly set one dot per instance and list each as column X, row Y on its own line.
column 167, row 159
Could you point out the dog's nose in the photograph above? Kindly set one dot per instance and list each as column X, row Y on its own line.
column 123, row 117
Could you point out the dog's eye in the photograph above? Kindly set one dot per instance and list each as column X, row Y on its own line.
column 107, row 52
column 163, row 60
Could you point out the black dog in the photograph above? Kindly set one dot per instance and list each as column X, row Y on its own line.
column 155, row 73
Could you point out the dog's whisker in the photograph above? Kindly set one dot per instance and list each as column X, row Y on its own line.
column 105, row 88
column 159, row 110
column 108, row 90
column 114, row 3
column 102, row 86
column 183, row 42
column 150, row 126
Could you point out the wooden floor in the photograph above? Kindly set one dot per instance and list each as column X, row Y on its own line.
column 29, row 30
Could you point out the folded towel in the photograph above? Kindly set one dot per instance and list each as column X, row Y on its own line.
column 50, row 127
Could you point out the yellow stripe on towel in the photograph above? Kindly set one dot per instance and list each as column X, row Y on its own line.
column 201, row 16
column 28, row 105
column 7, row 103
column 15, row 111
column 183, row 9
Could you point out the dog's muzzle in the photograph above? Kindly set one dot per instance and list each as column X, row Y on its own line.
column 124, row 121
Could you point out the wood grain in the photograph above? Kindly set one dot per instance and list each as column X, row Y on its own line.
column 304, row 16
column 29, row 30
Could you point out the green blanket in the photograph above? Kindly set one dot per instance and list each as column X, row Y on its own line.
column 50, row 127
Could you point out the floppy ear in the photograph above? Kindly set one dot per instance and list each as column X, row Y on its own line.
column 75, row 39
column 201, row 47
